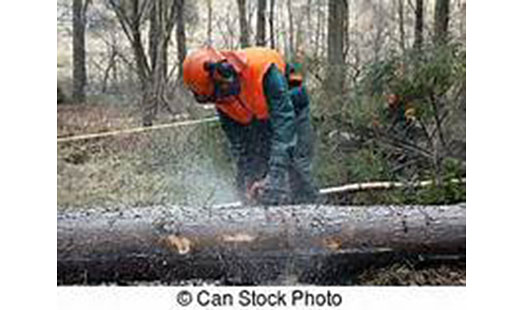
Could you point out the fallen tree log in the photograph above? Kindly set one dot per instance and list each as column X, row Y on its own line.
column 247, row 244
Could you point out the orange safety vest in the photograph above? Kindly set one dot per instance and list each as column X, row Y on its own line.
column 252, row 64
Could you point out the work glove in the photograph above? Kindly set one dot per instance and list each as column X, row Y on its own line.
column 255, row 190
column 267, row 191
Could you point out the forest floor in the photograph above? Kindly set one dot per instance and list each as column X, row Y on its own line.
column 174, row 166
column 401, row 274
column 395, row 274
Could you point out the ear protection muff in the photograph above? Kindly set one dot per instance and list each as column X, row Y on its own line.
column 220, row 70
column 224, row 78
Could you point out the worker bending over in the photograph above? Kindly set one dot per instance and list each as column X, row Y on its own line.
column 266, row 122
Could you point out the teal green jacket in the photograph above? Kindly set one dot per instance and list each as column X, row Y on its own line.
column 266, row 148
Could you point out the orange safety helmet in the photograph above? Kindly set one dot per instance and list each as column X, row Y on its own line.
column 195, row 76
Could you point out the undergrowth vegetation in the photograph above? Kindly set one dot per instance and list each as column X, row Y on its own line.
column 167, row 166
column 402, row 120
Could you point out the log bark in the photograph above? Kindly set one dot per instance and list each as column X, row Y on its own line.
column 248, row 245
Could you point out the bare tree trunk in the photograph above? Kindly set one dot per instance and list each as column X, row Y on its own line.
column 244, row 31
column 180, row 35
column 159, row 38
column 79, row 63
column 338, row 15
column 111, row 67
column 401, row 29
column 441, row 21
column 210, row 22
column 345, row 32
column 317, row 32
column 261, row 23
column 142, row 65
column 291, row 31
column 154, row 91
column 153, row 32
column 151, row 72
column 419, row 24
column 309, row 22
column 271, row 20
column 462, row 22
